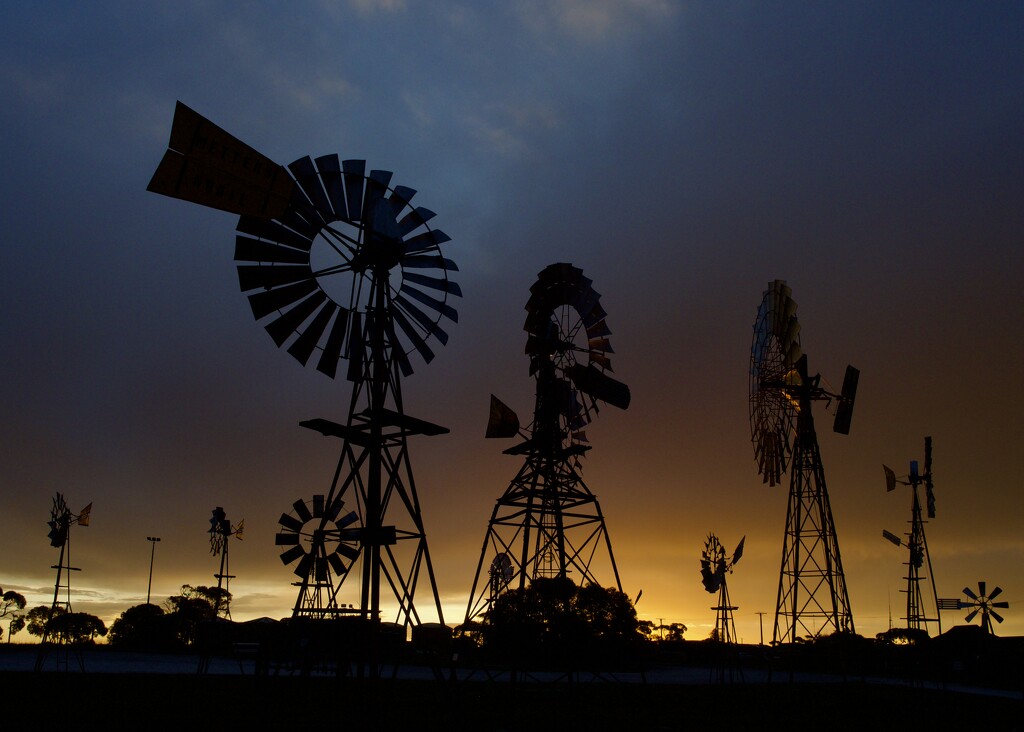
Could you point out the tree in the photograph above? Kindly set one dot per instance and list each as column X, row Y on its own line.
column 12, row 604
column 144, row 627
column 38, row 616
column 75, row 628
column 554, row 619
column 195, row 605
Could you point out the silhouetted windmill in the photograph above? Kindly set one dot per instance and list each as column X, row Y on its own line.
column 548, row 523
column 812, row 598
column 338, row 262
column 220, row 531
column 714, row 565
column 60, row 523
column 984, row 602
column 922, row 602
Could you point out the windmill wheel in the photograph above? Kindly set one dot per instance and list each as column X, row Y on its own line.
column 318, row 537
column 712, row 564
column 347, row 247
column 774, row 353
column 568, row 340
column 982, row 602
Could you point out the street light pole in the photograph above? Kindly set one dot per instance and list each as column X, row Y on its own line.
column 152, row 553
column 760, row 622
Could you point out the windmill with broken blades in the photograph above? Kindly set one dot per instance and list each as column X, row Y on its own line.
column 812, row 598
column 922, row 599
column 548, row 523
column 714, row 566
column 221, row 529
column 339, row 265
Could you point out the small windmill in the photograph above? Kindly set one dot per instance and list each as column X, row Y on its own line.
column 922, row 598
column 982, row 602
column 714, row 565
column 220, row 531
column 60, row 523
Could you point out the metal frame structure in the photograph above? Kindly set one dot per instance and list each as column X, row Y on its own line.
column 220, row 531
column 548, row 523
column 922, row 606
column 337, row 262
column 714, row 566
column 812, row 598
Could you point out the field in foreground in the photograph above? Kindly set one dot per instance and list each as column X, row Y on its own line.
column 123, row 701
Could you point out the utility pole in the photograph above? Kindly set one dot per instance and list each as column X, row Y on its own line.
column 760, row 622
column 152, row 553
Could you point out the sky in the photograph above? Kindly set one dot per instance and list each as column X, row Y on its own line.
column 682, row 154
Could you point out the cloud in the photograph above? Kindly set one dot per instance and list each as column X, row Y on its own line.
column 592, row 21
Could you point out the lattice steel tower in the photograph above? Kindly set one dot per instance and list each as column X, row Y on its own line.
column 548, row 523
column 812, row 599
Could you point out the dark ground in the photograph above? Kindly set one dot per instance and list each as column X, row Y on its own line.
column 160, row 701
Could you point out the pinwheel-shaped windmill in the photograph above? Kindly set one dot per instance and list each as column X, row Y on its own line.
column 548, row 523
column 339, row 265
column 714, row 565
column 983, row 602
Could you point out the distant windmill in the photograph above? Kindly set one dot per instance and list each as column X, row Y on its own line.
column 714, row 565
column 982, row 602
column 920, row 599
column 220, row 531
column 60, row 523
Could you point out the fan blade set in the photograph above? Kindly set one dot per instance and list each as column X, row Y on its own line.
column 319, row 556
column 559, row 285
column 329, row 190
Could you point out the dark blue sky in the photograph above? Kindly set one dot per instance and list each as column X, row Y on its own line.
column 683, row 155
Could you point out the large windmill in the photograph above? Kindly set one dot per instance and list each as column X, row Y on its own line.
column 339, row 265
column 812, row 598
column 548, row 523
column 922, row 598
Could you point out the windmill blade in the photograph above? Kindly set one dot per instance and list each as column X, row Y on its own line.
column 447, row 310
column 997, row 616
column 348, row 552
column 251, row 277
column 353, row 172
column 286, row 539
column 270, row 301
column 971, row 615
column 292, row 554
column 302, row 511
column 328, row 363
column 336, row 564
column 981, row 588
column 593, row 382
column 435, row 283
column 290, row 522
column 426, row 241
column 257, row 250
column 970, row 593
column 330, row 175
column 274, row 232
column 307, row 341
column 429, row 261
column 994, row 594
column 283, row 327
column 422, row 318
column 414, row 220
column 302, row 568
column 411, row 333
column 348, row 519
column 309, row 181
column 1001, row 604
